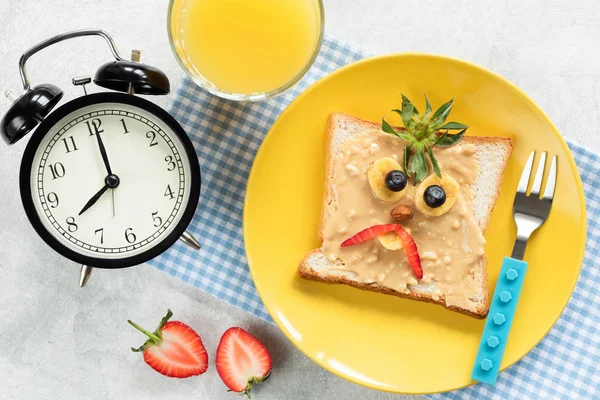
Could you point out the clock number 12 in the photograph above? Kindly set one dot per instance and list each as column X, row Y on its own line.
column 94, row 126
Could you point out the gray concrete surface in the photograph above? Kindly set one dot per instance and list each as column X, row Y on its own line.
column 60, row 342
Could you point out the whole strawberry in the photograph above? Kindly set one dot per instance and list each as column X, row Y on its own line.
column 242, row 360
column 173, row 349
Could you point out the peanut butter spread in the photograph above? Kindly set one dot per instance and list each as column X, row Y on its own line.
column 451, row 246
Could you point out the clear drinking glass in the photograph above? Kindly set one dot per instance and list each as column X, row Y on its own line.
column 246, row 50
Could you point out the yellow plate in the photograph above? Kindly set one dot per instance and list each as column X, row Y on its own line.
column 381, row 341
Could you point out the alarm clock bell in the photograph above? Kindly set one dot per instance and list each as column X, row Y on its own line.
column 30, row 108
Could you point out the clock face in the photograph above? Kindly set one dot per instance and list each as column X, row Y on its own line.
column 123, row 215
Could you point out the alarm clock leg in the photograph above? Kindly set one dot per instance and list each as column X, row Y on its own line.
column 188, row 239
column 84, row 275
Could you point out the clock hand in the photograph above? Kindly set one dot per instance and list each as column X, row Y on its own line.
column 110, row 182
column 103, row 153
column 94, row 199
column 113, row 201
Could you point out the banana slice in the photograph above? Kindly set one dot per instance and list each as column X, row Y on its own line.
column 390, row 241
column 376, row 176
column 447, row 183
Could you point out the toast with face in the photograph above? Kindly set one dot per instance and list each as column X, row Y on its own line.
column 364, row 188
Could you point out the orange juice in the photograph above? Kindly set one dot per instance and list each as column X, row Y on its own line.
column 246, row 46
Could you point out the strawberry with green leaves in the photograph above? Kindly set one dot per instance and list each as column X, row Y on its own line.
column 173, row 349
column 422, row 133
column 242, row 361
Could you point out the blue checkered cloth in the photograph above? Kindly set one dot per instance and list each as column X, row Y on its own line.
column 227, row 136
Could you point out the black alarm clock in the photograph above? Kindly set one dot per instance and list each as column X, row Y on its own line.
column 108, row 180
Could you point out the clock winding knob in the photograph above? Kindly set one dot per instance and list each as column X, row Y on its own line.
column 82, row 81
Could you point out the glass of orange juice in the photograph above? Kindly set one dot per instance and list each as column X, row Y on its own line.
column 246, row 49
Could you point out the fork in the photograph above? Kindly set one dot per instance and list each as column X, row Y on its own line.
column 530, row 212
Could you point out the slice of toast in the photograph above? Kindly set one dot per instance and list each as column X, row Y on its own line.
column 492, row 156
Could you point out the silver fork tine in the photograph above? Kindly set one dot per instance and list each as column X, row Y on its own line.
column 536, row 188
column 524, row 181
column 551, row 182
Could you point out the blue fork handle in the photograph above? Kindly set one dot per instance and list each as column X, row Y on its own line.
column 499, row 320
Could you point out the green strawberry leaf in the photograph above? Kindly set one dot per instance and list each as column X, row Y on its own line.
column 434, row 163
column 406, row 101
column 449, row 140
column 427, row 107
column 407, row 112
column 454, row 125
column 411, row 122
column 442, row 113
column 164, row 321
column 387, row 128
column 418, row 165
column 407, row 157
column 440, row 138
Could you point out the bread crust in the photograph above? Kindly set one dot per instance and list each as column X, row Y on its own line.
column 509, row 146
column 305, row 271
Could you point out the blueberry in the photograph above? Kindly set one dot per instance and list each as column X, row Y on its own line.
column 434, row 196
column 396, row 180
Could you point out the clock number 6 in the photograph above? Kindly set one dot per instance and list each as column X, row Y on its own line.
column 129, row 235
column 152, row 136
column 157, row 220
column 71, row 225
column 170, row 163
column 101, row 231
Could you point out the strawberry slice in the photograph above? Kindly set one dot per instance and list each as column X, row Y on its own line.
column 410, row 247
column 173, row 349
column 368, row 234
column 242, row 360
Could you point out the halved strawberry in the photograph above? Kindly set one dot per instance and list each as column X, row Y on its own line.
column 410, row 247
column 242, row 360
column 174, row 349
column 368, row 234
